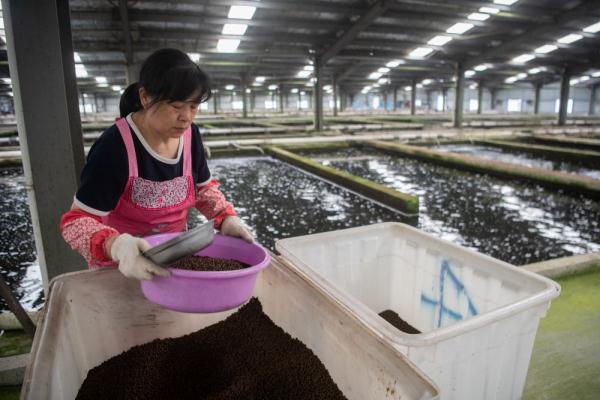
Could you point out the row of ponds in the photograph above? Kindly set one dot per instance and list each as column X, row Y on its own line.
column 513, row 221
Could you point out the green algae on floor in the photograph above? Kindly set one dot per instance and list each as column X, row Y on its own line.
column 566, row 357
column 10, row 392
column 14, row 342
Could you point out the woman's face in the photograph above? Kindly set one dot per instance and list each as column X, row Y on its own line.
column 172, row 118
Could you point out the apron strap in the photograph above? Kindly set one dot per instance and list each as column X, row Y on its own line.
column 127, row 139
column 187, row 152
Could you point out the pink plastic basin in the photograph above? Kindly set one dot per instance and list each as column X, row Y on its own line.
column 207, row 292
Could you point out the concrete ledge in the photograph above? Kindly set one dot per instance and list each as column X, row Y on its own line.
column 550, row 179
column 403, row 202
column 583, row 143
column 565, row 266
column 325, row 146
column 589, row 158
column 12, row 369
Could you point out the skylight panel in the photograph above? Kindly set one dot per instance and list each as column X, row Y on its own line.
column 523, row 58
column 478, row 16
column 420, row 52
column 234, row 29
column 227, row 45
column 545, row 49
column 592, row 28
column 459, row 28
column 241, row 12
column 573, row 37
column 439, row 40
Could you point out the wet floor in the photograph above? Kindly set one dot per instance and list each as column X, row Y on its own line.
column 273, row 198
column 518, row 157
column 509, row 220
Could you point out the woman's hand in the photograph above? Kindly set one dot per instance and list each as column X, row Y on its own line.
column 127, row 251
column 233, row 226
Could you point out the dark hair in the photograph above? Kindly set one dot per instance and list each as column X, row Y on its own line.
column 166, row 75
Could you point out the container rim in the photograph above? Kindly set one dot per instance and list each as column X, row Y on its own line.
column 353, row 305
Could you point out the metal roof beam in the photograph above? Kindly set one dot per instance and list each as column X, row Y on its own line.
column 366, row 19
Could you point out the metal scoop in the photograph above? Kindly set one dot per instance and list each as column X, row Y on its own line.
column 185, row 244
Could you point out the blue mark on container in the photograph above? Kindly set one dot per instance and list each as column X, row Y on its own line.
column 449, row 281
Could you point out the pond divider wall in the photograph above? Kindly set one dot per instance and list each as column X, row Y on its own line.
column 547, row 178
column 402, row 202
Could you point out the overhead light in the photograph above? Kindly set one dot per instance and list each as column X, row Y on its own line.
column 375, row 75
column 534, row 71
column 382, row 81
column 419, row 86
column 420, row 52
column 116, row 88
column 473, row 86
column 234, row 29
column 459, row 28
column 573, row 37
column 408, row 88
column 469, row 73
column 303, row 74
column 241, row 12
column 103, row 85
column 195, row 57
column 573, row 81
column 426, row 81
column 522, row 75
column 505, row 2
column 229, row 87
column 256, row 84
column 489, row 10
column 101, row 79
column 512, row 79
column 596, row 74
column 309, row 68
column 76, row 57
column 439, row 40
column 80, row 71
column 383, row 70
column 523, row 58
column 584, row 78
column 481, row 67
column 478, row 16
column 260, row 79
column 273, row 87
column 592, row 28
column 394, row 63
column 302, row 93
column 294, row 90
column 7, row 80
column 227, row 45
column 376, row 85
column 11, row 94
column 248, row 90
column 545, row 49
column 327, row 87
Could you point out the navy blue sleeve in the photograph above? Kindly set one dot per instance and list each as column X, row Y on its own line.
column 199, row 165
column 104, row 175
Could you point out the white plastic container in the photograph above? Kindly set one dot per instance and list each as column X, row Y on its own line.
column 94, row 315
column 478, row 315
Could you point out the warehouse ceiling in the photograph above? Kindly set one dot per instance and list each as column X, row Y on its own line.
column 373, row 44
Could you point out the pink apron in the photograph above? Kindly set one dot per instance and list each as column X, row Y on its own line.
column 148, row 207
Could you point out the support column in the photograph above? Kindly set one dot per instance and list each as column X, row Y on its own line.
column 318, row 96
column 252, row 101
column 385, row 100
column 564, row 96
column 460, row 95
column 83, row 104
column 299, row 101
column 281, row 98
column 594, row 89
column 494, row 92
column 48, row 121
column 479, row 97
column 444, row 99
column 395, row 98
column 413, row 97
column 536, row 99
column 215, row 101
column 244, row 97
column 335, row 96
column 428, row 100
column 351, row 100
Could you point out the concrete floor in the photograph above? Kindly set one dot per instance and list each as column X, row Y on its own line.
column 566, row 357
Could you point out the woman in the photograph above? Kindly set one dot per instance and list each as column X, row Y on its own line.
column 144, row 172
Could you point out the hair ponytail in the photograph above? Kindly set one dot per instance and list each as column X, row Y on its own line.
column 130, row 100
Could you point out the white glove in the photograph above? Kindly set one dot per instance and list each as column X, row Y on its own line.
column 127, row 249
column 233, row 226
